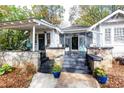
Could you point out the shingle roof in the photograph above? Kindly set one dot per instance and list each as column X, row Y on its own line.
column 75, row 27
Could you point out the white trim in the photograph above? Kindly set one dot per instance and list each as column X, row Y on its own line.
column 45, row 23
column 104, row 19
column 75, row 29
column 37, row 42
column 33, row 39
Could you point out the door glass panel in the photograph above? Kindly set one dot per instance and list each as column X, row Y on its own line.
column 68, row 42
column 81, row 42
column 74, row 42
column 41, row 42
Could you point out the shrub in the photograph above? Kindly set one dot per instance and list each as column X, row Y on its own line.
column 119, row 60
column 5, row 68
column 2, row 71
column 56, row 68
column 30, row 68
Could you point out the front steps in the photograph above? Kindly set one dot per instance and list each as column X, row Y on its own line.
column 75, row 63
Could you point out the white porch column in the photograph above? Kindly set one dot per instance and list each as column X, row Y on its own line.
column 94, row 39
column 112, row 36
column 33, row 39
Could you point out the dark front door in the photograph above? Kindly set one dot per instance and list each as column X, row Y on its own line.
column 41, row 40
column 74, row 42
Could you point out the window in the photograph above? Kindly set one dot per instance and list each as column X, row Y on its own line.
column 108, row 36
column 62, row 39
column 119, row 34
column 48, row 39
column 35, row 38
column 67, row 42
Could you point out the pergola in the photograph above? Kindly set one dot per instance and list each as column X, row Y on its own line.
column 29, row 25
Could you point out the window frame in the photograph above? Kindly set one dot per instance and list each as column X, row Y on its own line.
column 108, row 36
column 48, row 43
column 119, row 34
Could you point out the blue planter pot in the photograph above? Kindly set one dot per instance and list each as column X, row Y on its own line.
column 56, row 74
column 102, row 79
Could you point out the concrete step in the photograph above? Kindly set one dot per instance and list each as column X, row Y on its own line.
column 81, row 59
column 43, row 60
column 69, row 56
column 76, row 67
column 74, row 63
column 76, row 71
column 46, row 66
column 75, row 59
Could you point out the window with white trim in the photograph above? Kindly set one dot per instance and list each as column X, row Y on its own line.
column 48, row 39
column 108, row 36
column 119, row 35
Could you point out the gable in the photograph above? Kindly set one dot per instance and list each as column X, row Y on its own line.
column 114, row 17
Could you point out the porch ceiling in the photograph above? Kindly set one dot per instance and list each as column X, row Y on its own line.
column 26, row 24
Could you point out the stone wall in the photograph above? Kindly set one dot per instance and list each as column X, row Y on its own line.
column 52, row 53
column 20, row 59
column 105, row 53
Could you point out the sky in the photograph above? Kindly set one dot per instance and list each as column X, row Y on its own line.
column 66, row 22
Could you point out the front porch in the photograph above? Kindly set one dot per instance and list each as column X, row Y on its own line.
column 41, row 33
column 76, row 40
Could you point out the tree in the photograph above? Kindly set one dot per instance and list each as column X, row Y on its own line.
column 11, row 13
column 50, row 13
column 88, row 15
column 13, row 39
column 91, row 15
column 73, row 13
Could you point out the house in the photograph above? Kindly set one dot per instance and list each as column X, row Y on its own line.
column 108, row 32
column 47, row 38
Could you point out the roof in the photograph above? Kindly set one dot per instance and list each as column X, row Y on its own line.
column 27, row 24
column 75, row 28
column 107, row 17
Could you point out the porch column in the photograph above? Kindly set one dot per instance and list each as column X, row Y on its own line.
column 33, row 39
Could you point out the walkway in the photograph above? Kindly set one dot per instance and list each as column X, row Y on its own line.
column 67, row 80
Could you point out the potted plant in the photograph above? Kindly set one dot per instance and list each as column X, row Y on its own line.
column 101, row 75
column 56, row 70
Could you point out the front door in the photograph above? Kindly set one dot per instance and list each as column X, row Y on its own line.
column 81, row 42
column 41, row 39
column 75, row 43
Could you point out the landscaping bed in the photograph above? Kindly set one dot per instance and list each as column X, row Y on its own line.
column 116, row 77
column 18, row 78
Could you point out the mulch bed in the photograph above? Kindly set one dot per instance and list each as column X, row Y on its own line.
column 16, row 79
column 116, row 77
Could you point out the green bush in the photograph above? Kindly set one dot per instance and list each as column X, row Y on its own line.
column 56, row 68
column 5, row 68
column 99, row 72
column 2, row 71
